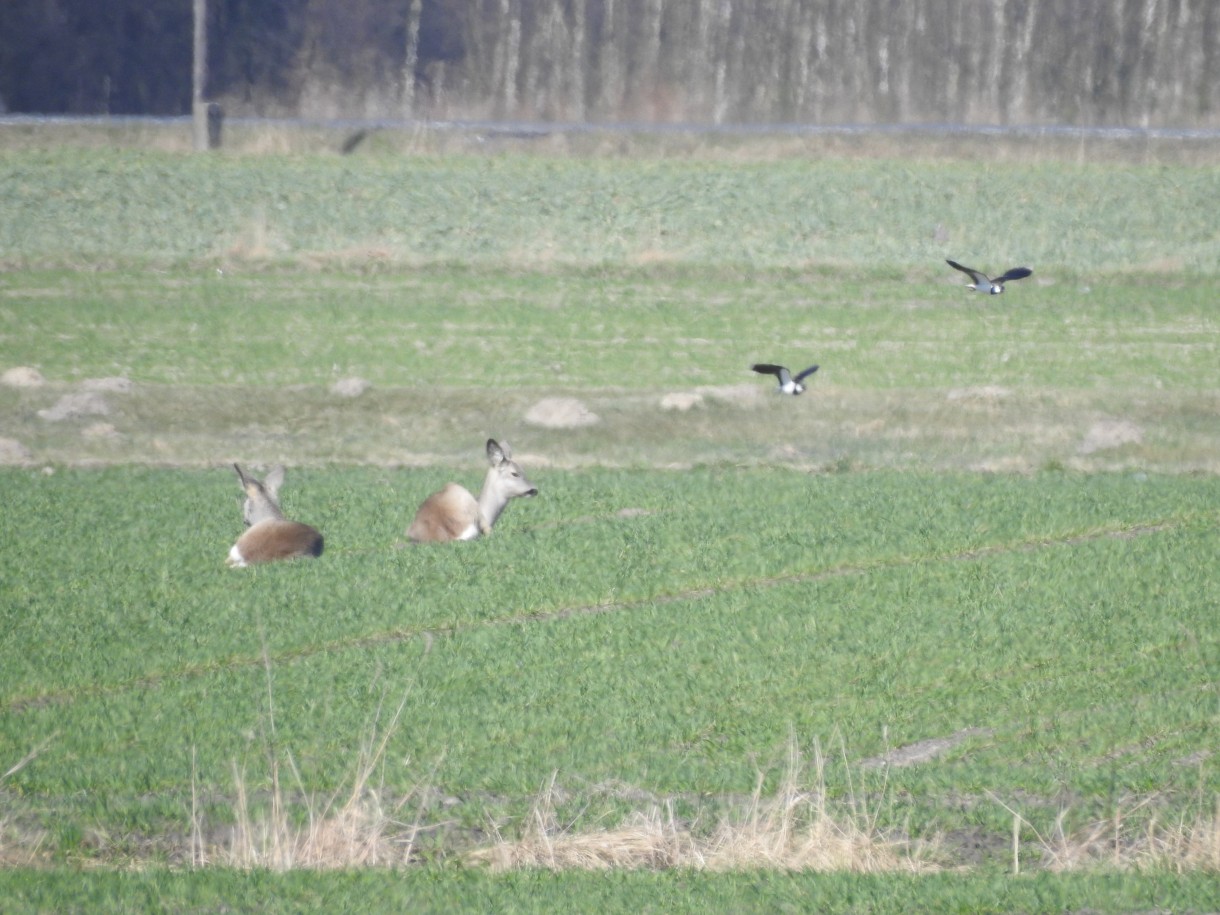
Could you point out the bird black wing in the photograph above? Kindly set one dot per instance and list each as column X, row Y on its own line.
column 805, row 374
column 969, row 271
column 1016, row 273
column 779, row 371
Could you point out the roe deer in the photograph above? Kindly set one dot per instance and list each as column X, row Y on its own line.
column 454, row 514
column 269, row 535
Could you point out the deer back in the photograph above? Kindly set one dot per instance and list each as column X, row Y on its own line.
column 450, row 514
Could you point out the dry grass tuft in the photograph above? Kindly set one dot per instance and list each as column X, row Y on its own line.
column 351, row 834
column 792, row 830
column 25, row 848
column 1112, row 846
column 1179, row 847
column 647, row 840
column 339, row 831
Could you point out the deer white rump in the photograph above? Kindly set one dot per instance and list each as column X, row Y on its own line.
column 454, row 514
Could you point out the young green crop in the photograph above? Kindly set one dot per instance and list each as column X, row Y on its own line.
column 77, row 207
column 1067, row 620
column 449, row 889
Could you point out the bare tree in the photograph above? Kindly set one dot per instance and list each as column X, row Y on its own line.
column 410, row 58
column 1140, row 62
column 199, row 75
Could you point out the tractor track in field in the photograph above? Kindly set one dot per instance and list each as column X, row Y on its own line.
column 429, row 634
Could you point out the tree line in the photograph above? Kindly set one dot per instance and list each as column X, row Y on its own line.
column 1122, row 62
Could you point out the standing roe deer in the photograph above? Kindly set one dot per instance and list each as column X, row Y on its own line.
column 269, row 535
column 454, row 514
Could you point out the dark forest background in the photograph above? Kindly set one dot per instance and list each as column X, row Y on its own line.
column 1113, row 62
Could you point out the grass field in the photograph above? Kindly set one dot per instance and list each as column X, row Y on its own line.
column 950, row 615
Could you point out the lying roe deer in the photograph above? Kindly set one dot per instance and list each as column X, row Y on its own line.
column 269, row 535
column 454, row 514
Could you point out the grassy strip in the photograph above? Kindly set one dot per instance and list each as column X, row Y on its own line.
column 913, row 373
column 448, row 889
column 1078, row 669
column 72, row 207
column 514, row 617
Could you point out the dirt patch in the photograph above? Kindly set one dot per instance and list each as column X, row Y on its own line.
column 1012, row 464
column 681, row 401
column 71, row 406
column 1110, row 433
column 13, row 452
column 22, row 376
column 982, row 394
column 632, row 513
column 349, row 387
column 737, row 395
column 100, row 431
column 923, row 751
column 976, row 846
column 113, row 385
column 561, row 413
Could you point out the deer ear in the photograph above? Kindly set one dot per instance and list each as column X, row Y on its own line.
column 274, row 480
column 242, row 479
column 497, row 453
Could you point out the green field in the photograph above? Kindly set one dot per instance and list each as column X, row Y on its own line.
column 951, row 614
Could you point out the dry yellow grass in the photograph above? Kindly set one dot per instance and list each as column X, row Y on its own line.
column 1181, row 847
column 326, row 835
column 355, row 830
column 793, row 830
column 1175, row 847
column 25, row 847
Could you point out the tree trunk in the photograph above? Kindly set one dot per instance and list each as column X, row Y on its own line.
column 199, row 76
column 410, row 58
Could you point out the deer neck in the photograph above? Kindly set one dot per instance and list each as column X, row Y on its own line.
column 491, row 500
column 265, row 511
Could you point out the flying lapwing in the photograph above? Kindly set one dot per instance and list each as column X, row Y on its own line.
column 982, row 283
column 787, row 384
